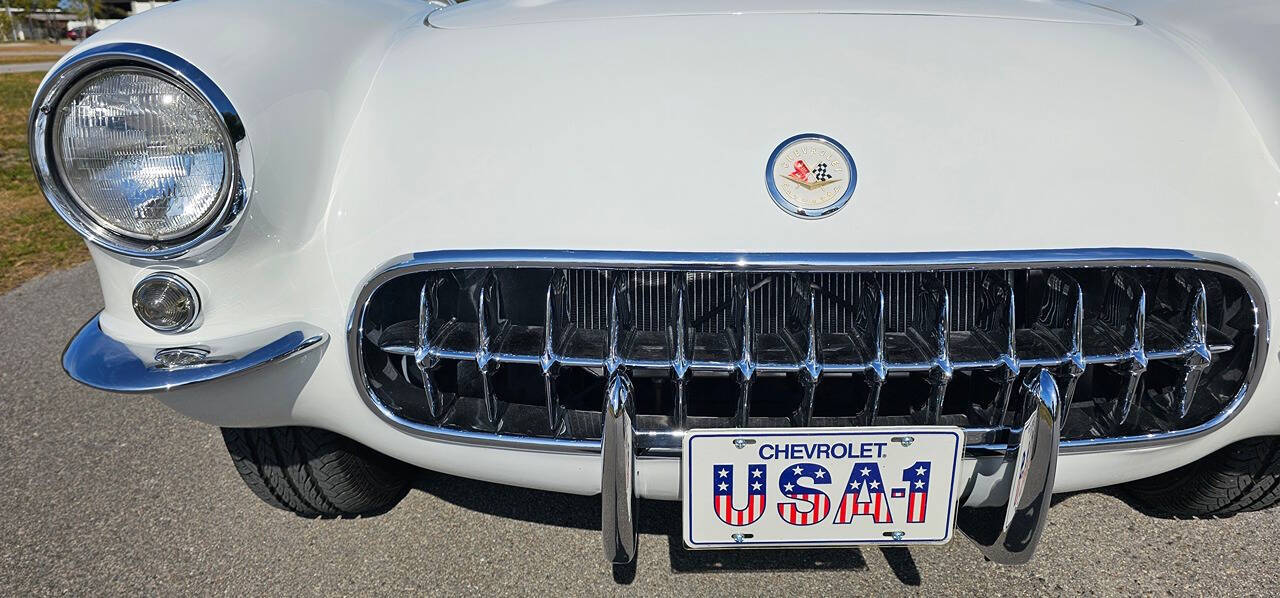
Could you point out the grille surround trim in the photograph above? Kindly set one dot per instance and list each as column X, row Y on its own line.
column 804, row 262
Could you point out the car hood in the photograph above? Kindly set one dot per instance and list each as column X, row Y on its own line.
column 654, row 132
column 495, row 13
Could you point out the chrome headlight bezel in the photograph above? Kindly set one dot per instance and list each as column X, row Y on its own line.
column 233, row 196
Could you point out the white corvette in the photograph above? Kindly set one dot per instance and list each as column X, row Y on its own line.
column 830, row 272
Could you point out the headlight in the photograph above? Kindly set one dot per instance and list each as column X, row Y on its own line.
column 139, row 151
column 141, row 155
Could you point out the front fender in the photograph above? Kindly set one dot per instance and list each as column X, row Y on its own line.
column 297, row 72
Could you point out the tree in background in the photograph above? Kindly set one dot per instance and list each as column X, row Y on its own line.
column 90, row 10
column 20, row 8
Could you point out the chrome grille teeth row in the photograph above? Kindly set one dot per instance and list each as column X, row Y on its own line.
column 929, row 348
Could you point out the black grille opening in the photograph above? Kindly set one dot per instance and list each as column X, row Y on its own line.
column 1136, row 350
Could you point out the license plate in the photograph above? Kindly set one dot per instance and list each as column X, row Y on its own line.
column 820, row 486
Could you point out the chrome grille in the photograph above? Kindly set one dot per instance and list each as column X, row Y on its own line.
column 519, row 349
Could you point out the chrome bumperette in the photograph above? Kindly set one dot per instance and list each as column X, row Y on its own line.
column 94, row 359
column 618, row 473
column 237, row 188
column 1010, row 533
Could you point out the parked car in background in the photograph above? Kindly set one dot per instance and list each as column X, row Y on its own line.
column 829, row 272
column 81, row 33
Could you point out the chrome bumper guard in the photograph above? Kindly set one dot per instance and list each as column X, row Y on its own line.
column 1006, row 534
column 94, row 359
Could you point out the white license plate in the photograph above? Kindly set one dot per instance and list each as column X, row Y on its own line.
column 820, row 486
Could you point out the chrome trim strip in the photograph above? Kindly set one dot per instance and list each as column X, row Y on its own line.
column 238, row 183
column 905, row 262
column 94, row 359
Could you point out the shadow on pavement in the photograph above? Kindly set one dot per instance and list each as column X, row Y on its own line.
column 653, row 518
column 662, row 518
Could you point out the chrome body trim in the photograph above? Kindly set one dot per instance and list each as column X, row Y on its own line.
column 237, row 184
column 182, row 283
column 800, row 262
column 94, row 359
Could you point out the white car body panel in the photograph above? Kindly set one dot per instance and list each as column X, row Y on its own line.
column 1006, row 125
column 515, row 12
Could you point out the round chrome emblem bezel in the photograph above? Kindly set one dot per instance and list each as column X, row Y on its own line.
column 828, row 208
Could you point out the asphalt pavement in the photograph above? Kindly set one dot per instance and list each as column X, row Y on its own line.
column 110, row 495
column 27, row 67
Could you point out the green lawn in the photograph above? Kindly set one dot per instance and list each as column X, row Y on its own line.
column 26, row 58
column 33, row 240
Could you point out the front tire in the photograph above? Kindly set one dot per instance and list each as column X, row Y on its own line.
column 1242, row 477
column 316, row 473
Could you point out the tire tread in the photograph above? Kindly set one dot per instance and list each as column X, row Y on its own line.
column 1242, row 477
column 315, row 473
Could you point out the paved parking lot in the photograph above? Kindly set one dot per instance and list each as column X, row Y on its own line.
column 110, row 495
column 30, row 67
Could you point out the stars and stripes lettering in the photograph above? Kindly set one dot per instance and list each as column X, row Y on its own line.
column 831, row 498
column 812, row 505
column 917, row 479
column 864, row 495
column 757, row 477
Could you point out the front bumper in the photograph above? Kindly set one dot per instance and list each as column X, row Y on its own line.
column 1017, row 494
column 296, row 382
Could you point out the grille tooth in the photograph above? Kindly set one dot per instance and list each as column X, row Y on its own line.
column 488, row 303
column 802, row 332
column 1059, row 328
column 997, row 325
column 931, row 329
column 678, row 339
column 1197, row 337
column 1120, row 330
column 869, row 336
column 621, row 322
column 742, row 338
column 423, row 356
column 555, row 325
column 1136, row 350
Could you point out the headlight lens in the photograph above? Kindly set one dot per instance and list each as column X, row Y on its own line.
column 142, row 155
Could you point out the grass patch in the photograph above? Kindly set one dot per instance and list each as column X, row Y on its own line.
column 33, row 239
column 26, row 58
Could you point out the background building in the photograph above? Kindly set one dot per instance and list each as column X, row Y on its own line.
column 51, row 19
